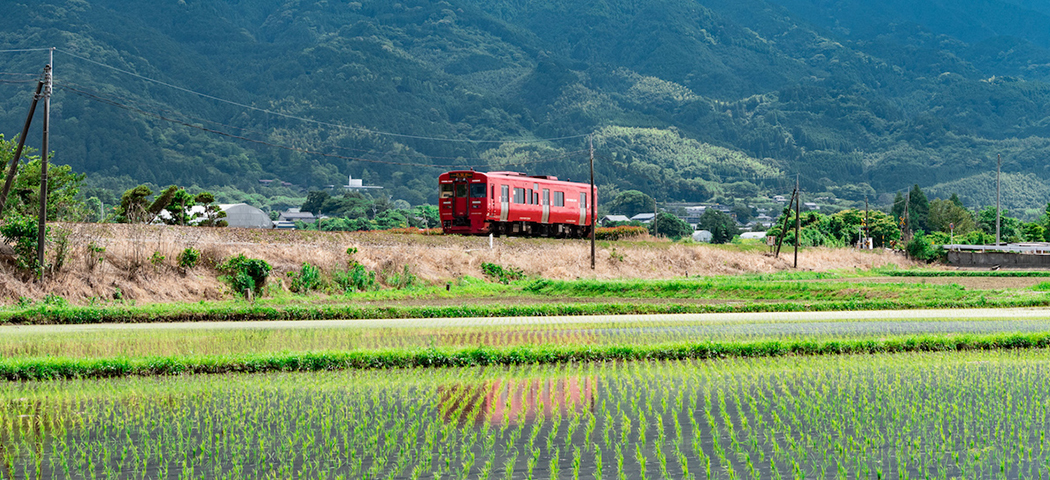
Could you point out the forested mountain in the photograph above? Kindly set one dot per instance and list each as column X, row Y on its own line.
column 688, row 99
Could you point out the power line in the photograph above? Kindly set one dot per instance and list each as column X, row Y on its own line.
column 291, row 148
column 13, row 50
column 310, row 120
column 187, row 118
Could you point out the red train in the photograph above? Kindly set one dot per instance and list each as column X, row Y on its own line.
column 511, row 203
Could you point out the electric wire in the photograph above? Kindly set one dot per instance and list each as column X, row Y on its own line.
column 243, row 130
column 310, row 120
column 140, row 111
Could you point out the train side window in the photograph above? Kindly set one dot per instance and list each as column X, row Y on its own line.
column 461, row 190
column 546, row 197
column 504, row 193
column 493, row 193
column 519, row 195
column 532, row 198
column 559, row 199
column 446, row 190
column 583, row 200
column 477, row 190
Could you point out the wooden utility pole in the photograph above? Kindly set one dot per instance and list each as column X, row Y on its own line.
column 18, row 150
column 656, row 213
column 42, row 227
column 907, row 215
column 590, row 142
column 867, row 227
column 783, row 228
column 798, row 219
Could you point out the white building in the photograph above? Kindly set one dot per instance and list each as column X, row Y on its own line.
column 242, row 215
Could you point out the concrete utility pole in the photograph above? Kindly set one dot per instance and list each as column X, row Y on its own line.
column 867, row 228
column 590, row 143
column 42, row 227
column 998, row 184
column 656, row 213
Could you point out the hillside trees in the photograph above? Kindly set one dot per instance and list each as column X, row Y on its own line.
column 630, row 203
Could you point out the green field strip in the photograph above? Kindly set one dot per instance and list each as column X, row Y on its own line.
column 246, row 312
column 65, row 368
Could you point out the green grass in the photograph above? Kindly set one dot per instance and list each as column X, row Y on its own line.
column 76, row 315
column 964, row 273
column 59, row 368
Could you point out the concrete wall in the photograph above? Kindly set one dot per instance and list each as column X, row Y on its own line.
column 1002, row 259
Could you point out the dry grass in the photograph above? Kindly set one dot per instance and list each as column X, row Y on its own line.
column 125, row 268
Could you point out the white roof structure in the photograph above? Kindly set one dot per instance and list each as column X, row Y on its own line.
column 702, row 236
column 242, row 215
column 753, row 235
column 615, row 218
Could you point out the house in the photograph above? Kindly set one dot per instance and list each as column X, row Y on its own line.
column 643, row 217
column 614, row 218
column 811, row 206
column 293, row 214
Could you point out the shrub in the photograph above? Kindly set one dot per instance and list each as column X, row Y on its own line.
column 619, row 233
column 921, row 248
column 404, row 279
column 309, row 278
column 244, row 274
column 22, row 231
column 156, row 259
column 356, row 279
column 189, row 257
column 500, row 274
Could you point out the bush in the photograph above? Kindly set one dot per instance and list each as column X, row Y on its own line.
column 189, row 257
column 22, row 231
column 921, row 248
column 356, row 279
column 501, row 274
column 244, row 274
column 404, row 279
column 309, row 278
column 619, row 233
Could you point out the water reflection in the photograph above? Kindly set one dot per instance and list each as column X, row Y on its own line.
column 516, row 400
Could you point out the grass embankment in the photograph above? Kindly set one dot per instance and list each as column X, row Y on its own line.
column 788, row 292
column 59, row 368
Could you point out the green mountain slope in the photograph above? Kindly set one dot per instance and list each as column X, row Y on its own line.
column 688, row 99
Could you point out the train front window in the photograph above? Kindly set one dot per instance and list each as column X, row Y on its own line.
column 477, row 190
column 446, row 190
column 461, row 190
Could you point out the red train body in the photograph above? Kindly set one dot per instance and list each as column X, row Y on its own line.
column 511, row 203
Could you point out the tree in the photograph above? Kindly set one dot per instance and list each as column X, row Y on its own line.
column 722, row 227
column 1010, row 229
column 945, row 213
column 918, row 209
column 669, row 225
column 631, row 203
column 428, row 216
column 24, row 197
column 212, row 215
column 743, row 213
column 314, row 201
column 134, row 205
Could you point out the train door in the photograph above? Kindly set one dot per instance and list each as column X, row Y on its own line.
column 460, row 203
column 546, row 205
column 504, row 202
column 583, row 208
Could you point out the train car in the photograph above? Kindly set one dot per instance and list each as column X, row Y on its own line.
column 513, row 204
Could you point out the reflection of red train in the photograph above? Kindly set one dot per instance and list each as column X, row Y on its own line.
column 511, row 203
column 516, row 399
